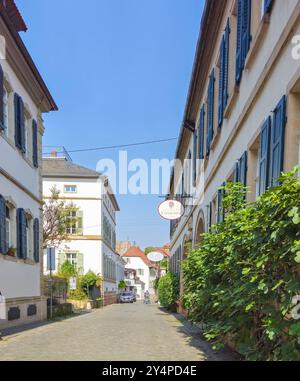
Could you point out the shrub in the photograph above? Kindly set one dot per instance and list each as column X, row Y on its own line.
column 168, row 290
column 121, row 285
column 242, row 279
column 77, row 294
column 89, row 280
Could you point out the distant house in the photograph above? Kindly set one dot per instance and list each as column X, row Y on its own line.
column 133, row 283
column 24, row 98
column 91, row 244
column 146, row 270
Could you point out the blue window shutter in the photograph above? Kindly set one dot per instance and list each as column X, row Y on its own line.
column 3, row 243
column 246, row 29
column 243, row 164
column 221, row 83
column 209, row 215
column 201, row 134
column 210, row 112
column 35, row 144
column 226, row 65
column 17, row 122
column 236, row 176
column 21, row 234
column 221, row 193
column 22, row 124
column 277, row 142
column 268, row 5
column 36, row 240
column 1, row 99
column 264, row 156
column 195, row 155
column 238, row 66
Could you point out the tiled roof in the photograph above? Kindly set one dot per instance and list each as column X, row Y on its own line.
column 59, row 167
column 14, row 15
column 134, row 251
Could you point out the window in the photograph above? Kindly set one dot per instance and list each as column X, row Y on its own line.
column 277, row 142
column 243, row 36
column 140, row 272
column 8, row 228
column 72, row 258
column 5, row 111
column 201, row 133
column 70, row 188
column 21, row 234
column 27, row 137
column 74, row 222
column 210, row 112
column 195, row 156
column 35, row 144
column 19, row 123
column 220, row 211
column 3, row 237
column 240, row 173
column 223, row 75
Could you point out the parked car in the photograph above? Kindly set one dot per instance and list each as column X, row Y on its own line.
column 126, row 297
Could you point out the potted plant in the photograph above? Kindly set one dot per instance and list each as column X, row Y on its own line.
column 11, row 252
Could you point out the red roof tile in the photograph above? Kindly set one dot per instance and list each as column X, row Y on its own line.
column 134, row 251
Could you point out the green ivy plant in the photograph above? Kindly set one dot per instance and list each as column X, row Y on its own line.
column 241, row 281
column 168, row 290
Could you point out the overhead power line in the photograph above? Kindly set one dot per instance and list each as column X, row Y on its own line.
column 120, row 146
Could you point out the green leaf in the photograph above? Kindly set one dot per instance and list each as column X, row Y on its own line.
column 246, row 271
column 277, row 285
column 297, row 258
column 295, row 329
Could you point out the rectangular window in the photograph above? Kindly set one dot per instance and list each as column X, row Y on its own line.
column 277, row 142
column 210, row 112
column 241, row 167
column 243, row 36
column 195, row 156
column 72, row 258
column 220, row 211
column 74, row 222
column 140, row 272
column 70, row 189
column 19, row 123
column 201, row 133
column 5, row 111
column 8, row 229
column 223, row 75
column 264, row 156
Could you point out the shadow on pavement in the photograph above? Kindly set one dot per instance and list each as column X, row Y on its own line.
column 13, row 331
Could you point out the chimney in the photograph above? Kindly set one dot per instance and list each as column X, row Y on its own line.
column 53, row 153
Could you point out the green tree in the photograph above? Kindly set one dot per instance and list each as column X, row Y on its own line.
column 67, row 270
column 55, row 219
column 148, row 250
column 242, row 279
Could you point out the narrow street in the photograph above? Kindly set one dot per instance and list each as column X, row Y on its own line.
column 117, row 332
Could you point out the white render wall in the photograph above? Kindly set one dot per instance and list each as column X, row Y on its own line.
column 137, row 263
column 17, row 278
column 283, row 73
column 90, row 199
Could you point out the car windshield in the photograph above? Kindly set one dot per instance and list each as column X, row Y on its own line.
column 126, row 294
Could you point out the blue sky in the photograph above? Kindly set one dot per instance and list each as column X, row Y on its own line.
column 119, row 71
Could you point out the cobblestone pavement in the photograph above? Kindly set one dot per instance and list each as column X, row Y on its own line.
column 117, row 332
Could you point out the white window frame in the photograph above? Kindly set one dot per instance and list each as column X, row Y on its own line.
column 68, row 188
column 72, row 258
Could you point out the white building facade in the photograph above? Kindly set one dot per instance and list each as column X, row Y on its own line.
column 242, row 116
column 145, row 270
column 23, row 99
column 92, row 238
